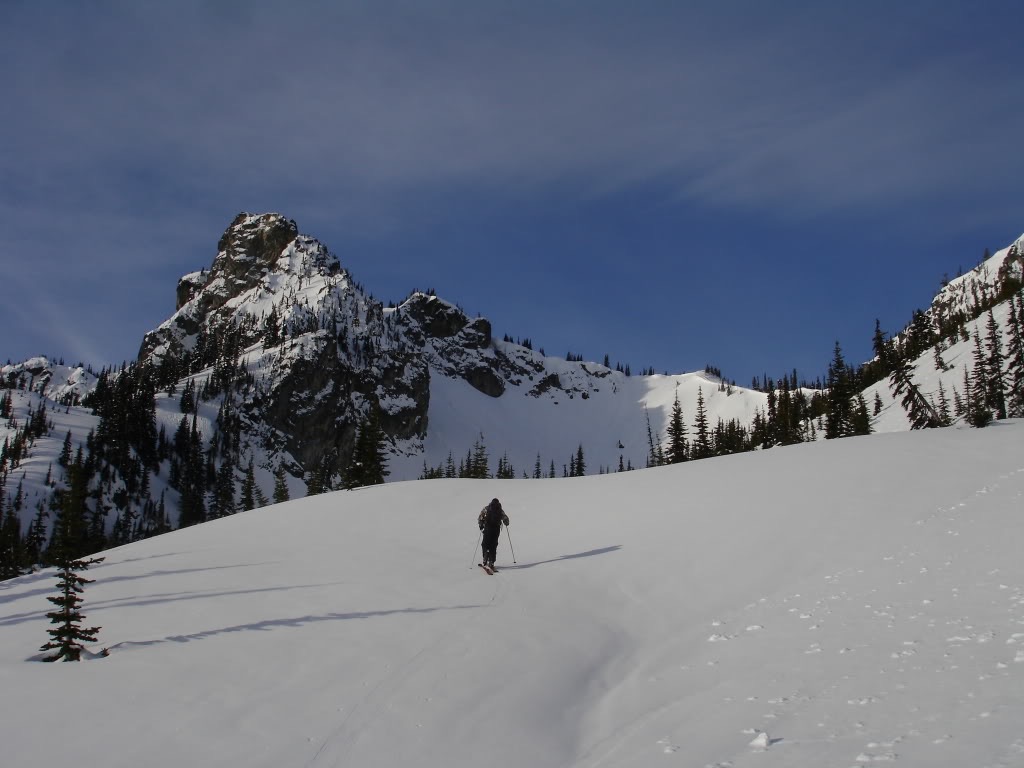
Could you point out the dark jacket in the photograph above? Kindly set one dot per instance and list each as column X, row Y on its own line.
column 492, row 516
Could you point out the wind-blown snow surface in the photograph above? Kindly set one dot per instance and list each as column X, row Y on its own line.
column 834, row 604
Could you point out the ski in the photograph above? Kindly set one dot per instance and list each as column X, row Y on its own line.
column 485, row 569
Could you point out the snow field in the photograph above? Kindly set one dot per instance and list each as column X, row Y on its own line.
column 849, row 603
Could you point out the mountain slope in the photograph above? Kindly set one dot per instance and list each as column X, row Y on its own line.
column 859, row 600
column 287, row 354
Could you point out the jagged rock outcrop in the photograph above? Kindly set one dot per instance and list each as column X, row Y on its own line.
column 316, row 352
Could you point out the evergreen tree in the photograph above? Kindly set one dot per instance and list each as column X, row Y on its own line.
column 71, row 538
column 861, row 421
column 66, row 552
column 65, row 452
column 979, row 386
column 653, row 459
column 479, row 464
column 67, row 636
column 188, row 397
column 368, row 465
column 702, row 447
column 882, row 350
column 840, row 390
column 921, row 412
column 280, row 486
column 193, row 480
column 676, row 432
column 223, row 502
column 35, row 538
column 994, row 379
column 581, row 467
column 945, row 418
column 11, row 555
column 315, row 485
column 248, row 500
column 1015, row 359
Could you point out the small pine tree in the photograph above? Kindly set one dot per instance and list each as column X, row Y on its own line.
column 67, row 636
column 280, row 486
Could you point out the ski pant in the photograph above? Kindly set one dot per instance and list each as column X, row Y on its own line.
column 490, row 543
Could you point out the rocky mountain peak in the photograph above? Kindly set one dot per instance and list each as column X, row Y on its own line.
column 252, row 243
column 250, row 248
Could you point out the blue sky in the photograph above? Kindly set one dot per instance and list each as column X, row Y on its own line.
column 670, row 184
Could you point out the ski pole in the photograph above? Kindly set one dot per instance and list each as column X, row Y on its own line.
column 513, row 549
column 478, row 540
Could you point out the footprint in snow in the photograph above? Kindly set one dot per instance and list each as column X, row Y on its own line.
column 862, row 702
column 885, row 757
column 717, row 638
column 668, row 747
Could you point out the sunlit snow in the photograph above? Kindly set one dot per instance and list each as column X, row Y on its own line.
column 844, row 603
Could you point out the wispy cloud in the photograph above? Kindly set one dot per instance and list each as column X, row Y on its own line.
column 788, row 110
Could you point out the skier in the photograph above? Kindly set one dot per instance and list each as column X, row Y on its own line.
column 490, row 519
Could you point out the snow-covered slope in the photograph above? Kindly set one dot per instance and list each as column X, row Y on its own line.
column 982, row 283
column 847, row 603
column 60, row 383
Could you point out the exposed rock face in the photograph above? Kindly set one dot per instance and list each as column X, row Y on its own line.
column 321, row 351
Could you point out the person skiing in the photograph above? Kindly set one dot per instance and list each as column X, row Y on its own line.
column 490, row 519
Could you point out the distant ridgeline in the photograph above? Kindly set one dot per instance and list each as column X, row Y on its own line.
column 279, row 375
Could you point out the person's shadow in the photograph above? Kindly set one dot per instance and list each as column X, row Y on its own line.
column 588, row 553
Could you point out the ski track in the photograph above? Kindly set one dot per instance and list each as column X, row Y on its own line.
column 376, row 703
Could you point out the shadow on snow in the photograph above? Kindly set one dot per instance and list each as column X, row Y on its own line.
column 299, row 621
column 588, row 553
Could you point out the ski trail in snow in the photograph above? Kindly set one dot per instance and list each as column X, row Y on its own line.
column 373, row 702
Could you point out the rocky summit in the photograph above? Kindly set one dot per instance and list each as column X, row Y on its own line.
column 305, row 353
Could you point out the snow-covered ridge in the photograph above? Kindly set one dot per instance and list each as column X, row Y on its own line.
column 65, row 384
column 980, row 286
